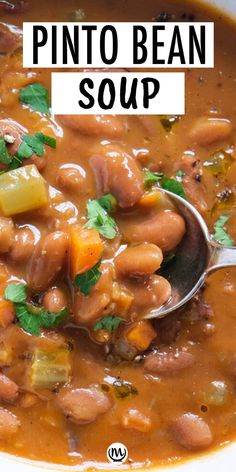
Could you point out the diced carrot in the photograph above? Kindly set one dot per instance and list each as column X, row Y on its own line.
column 141, row 334
column 7, row 313
column 86, row 249
column 150, row 199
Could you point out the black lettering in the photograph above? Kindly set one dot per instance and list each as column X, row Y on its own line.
column 147, row 94
column 131, row 100
column 176, row 42
column 139, row 45
column 54, row 44
column 89, row 29
column 37, row 43
column 157, row 44
column 82, row 88
column 72, row 45
column 106, row 83
column 194, row 44
column 114, row 42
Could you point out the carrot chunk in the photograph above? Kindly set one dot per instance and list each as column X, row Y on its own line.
column 86, row 249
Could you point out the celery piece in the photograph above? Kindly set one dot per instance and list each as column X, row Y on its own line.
column 22, row 190
column 219, row 163
column 50, row 368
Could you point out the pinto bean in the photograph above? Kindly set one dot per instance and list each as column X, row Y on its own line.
column 165, row 229
column 103, row 126
column 83, row 405
column 10, row 38
column 118, row 173
column 168, row 362
column 192, row 181
column 8, row 389
column 71, row 177
column 23, row 245
column 39, row 162
column 138, row 261
column 9, row 423
column 148, row 294
column 47, row 261
column 6, row 234
column 18, row 6
column 54, row 300
column 191, row 432
column 89, row 309
column 136, row 420
column 210, row 130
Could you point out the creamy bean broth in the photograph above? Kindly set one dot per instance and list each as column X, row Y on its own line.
column 79, row 367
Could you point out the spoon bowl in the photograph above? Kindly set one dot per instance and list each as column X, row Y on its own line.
column 196, row 256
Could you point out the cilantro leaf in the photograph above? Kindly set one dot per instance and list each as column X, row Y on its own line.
column 35, row 144
column 151, row 177
column 4, row 156
column 110, row 323
column 36, row 96
column 99, row 219
column 173, row 186
column 88, row 279
column 108, row 202
column 220, row 233
column 47, row 140
column 180, row 174
column 24, row 151
column 15, row 293
column 32, row 318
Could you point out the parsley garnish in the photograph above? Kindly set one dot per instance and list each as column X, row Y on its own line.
column 110, row 323
column 151, row 178
column 172, row 185
column 31, row 145
column 220, row 233
column 86, row 281
column 15, row 293
column 99, row 219
column 35, row 96
column 32, row 318
column 108, row 202
column 4, row 156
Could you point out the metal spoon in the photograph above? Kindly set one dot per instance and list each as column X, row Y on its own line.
column 197, row 256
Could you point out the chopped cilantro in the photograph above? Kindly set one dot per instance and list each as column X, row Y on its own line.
column 15, row 293
column 35, row 96
column 31, row 145
column 4, row 156
column 48, row 140
column 99, row 219
column 110, row 323
column 31, row 318
column 173, row 186
column 88, row 279
column 108, row 202
column 151, row 178
column 180, row 174
column 220, row 233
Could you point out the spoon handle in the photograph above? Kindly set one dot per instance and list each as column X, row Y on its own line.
column 221, row 257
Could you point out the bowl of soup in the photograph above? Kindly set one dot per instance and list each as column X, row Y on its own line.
column 84, row 236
